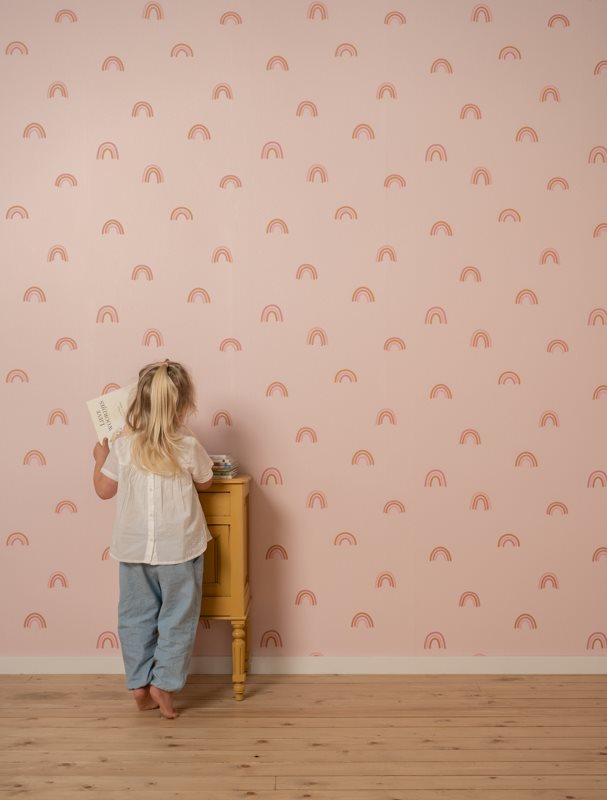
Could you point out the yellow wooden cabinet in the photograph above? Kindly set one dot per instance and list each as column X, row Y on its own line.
column 225, row 587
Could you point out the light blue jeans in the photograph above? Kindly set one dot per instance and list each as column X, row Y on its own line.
column 158, row 613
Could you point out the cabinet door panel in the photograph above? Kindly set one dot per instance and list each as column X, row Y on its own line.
column 217, row 571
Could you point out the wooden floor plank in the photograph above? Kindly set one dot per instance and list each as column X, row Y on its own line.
column 351, row 737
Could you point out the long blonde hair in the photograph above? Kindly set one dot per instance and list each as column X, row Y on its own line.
column 165, row 396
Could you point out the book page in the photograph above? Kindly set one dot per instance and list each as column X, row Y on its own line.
column 108, row 412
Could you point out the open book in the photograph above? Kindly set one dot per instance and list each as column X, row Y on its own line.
column 108, row 412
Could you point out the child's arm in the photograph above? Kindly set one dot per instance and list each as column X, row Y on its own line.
column 105, row 487
column 201, row 467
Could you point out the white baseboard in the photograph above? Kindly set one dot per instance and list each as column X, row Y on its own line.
column 324, row 665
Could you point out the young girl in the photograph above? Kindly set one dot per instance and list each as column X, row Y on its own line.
column 160, row 534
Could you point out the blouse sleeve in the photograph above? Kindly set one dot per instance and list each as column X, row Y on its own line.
column 110, row 465
column 201, row 465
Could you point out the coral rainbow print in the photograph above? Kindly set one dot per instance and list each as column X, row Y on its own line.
column 376, row 234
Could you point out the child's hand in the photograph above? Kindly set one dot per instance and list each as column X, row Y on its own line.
column 100, row 451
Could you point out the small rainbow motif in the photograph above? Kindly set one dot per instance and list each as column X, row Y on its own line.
column 109, row 638
column 199, row 293
column 599, row 553
column 362, row 619
column 385, row 415
column 17, row 212
column 440, row 390
column 181, row 212
column 277, row 226
column 57, row 414
column 441, row 227
column 345, row 537
column 508, row 377
column 316, row 498
column 57, row 88
column 271, row 311
column 525, row 458
column 142, row 269
column 222, row 90
column 271, row 475
column 152, row 335
column 480, row 500
column 277, row 63
column 481, row 337
column 19, row 48
column 58, row 579
column 386, row 90
column 597, row 640
column 34, row 293
column 277, row 389
column 317, row 170
column 152, row 171
column 109, row 149
column 394, row 505
column 525, row 620
column 346, row 49
column 472, row 272
column 306, row 594
column 277, row 551
column 306, row 269
column 142, row 108
column 435, row 637
column 306, row 108
column 270, row 636
column 230, row 180
column 526, row 134
column 395, row 180
column 557, row 183
column 469, row 599
column 230, row 344
column 558, row 20
column 65, row 14
column 182, row 49
column 549, row 417
column 435, row 476
column 385, row 579
column 550, row 93
column 66, row 505
column 230, row 17
column 548, row 579
column 34, row 130
column 509, row 52
column 508, row 538
column 363, row 132
column 306, row 434
column 440, row 554
column 107, row 312
column 556, row 345
column 598, row 476
column 34, row 620
column 222, row 416
column 469, row 434
column 481, row 176
column 66, row 178
column 153, row 11
column 362, row 457
column 317, row 10
column 441, row 65
column 17, row 537
column 34, row 457
column 317, row 335
column 272, row 149
column 436, row 150
column 105, row 555
column 479, row 11
column 394, row 17
column 112, row 226
column 112, row 63
column 557, row 507
column 66, row 343
column 345, row 376
column 17, row 376
column 221, row 253
column 435, row 313
column 470, row 110
column 363, row 293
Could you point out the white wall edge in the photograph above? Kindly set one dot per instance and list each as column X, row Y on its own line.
column 324, row 665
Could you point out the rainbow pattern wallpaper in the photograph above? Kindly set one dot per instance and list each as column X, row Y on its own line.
column 376, row 233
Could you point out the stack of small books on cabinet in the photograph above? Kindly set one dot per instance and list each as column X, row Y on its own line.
column 224, row 466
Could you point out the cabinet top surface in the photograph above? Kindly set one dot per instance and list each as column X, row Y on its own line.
column 238, row 479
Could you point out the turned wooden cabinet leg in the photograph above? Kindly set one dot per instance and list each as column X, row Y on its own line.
column 238, row 658
column 247, row 642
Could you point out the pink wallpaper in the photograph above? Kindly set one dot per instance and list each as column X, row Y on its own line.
column 377, row 235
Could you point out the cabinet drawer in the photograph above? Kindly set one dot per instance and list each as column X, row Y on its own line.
column 216, row 503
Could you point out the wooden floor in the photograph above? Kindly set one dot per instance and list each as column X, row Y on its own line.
column 323, row 737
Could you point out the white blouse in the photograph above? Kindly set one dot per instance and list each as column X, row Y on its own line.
column 159, row 519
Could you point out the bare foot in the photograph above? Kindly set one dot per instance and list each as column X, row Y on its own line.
column 143, row 699
column 164, row 700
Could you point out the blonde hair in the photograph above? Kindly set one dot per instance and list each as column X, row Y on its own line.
column 165, row 396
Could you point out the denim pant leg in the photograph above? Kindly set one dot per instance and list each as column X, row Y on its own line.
column 138, row 608
column 181, row 586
